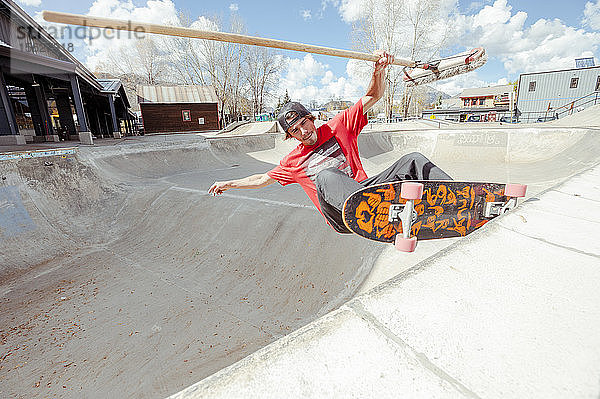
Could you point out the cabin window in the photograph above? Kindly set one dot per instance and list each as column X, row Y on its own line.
column 186, row 115
column 482, row 101
column 532, row 86
column 574, row 83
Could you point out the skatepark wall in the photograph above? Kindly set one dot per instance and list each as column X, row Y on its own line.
column 119, row 251
column 130, row 234
column 90, row 188
column 539, row 157
column 64, row 202
column 511, row 311
column 54, row 205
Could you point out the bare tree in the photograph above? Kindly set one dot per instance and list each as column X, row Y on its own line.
column 237, row 56
column 239, row 74
column 262, row 68
column 207, row 62
column 136, row 63
column 142, row 62
column 377, row 30
column 429, row 26
column 150, row 60
column 187, row 63
column 219, row 64
column 414, row 29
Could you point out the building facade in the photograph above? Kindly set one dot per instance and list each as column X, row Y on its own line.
column 554, row 93
column 178, row 109
column 46, row 94
column 484, row 104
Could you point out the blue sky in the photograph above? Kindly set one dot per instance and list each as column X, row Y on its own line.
column 519, row 36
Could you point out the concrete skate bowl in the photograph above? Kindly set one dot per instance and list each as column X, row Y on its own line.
column 122, row 277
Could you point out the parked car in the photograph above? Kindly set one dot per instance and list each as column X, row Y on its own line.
column 474, row 118
column 508, row 119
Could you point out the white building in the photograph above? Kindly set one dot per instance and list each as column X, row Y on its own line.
column 551, row 94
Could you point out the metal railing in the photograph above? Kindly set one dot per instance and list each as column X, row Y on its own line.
column 561, row 112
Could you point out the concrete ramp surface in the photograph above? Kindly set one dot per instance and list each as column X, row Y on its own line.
column 121, row 277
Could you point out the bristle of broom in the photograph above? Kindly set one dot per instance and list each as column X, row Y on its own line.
column 447, row 73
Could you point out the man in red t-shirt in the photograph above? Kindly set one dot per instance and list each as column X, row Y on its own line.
column 326, row 163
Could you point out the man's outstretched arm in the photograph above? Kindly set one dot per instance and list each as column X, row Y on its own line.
column 377, row 85
column 254, row 181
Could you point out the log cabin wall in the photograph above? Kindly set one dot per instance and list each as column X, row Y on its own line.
column 168, row 118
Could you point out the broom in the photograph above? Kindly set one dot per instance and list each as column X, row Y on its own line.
column 415, row 72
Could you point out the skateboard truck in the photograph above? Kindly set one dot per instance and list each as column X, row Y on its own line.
column 513, row 191
column 406, row 215
column 493, row 209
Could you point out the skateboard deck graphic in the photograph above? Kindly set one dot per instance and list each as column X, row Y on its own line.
column 446, row 209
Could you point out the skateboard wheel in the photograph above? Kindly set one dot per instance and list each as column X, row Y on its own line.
column 411, row 191
column 405, row 244
column 515, row 190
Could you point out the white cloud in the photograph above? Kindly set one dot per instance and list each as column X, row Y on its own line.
column 327, row 78
column 509, row 36
column 350, row 10
column 476, row 5
column 32, row 3
column 591, row 15
column 234, row 7
column 305, row 69
column 204, row 23
column 154, row 11
column 455, row 85
column 544, row 45
column 326, row 3
column 320, row 12
column 306, row 14
column 308, row 80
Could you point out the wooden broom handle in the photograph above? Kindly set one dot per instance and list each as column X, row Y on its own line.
column 141, row 27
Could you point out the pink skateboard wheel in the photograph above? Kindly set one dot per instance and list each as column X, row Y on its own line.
column 411, row 191
column 515, row 190
column 405, row 244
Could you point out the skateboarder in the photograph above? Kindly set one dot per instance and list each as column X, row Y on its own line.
column 326, row 163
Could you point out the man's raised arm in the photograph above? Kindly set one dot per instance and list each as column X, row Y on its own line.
column 254, row 181
column 377, row 85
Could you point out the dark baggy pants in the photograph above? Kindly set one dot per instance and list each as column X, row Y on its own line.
column 334, row 186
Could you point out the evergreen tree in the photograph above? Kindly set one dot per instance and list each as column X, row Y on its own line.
column 280, row 103
column 286, row 98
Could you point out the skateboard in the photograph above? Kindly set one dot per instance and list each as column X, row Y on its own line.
column 403, row 212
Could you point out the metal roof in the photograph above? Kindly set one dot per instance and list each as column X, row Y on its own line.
column 177, row 94
column 486, row 91
column 110, row 85
column 561, row 70
column 17, row 12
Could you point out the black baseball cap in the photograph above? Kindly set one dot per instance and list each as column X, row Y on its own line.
column 295, row 107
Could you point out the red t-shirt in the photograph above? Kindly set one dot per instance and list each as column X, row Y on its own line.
column 336, row 147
